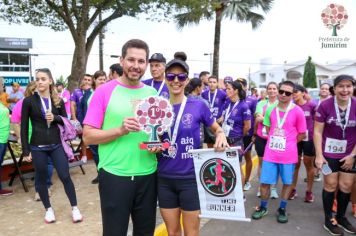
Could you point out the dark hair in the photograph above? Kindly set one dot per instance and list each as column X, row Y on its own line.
column 96, row 75
column 135, row 43
column 325, row 83
column 89, row 75
column 192, row 85
column 331, row 90
column 236, row 85
column 272, row 83
column 116, row 68
column 301, row 88
column 242, row 81
column 180, row 55
column 288, row 83
column 213, row 77
column 203, row 73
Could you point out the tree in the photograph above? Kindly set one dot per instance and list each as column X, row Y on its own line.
column 334, row 17
column 309, row 76
column 79, row 17
column 240, row 10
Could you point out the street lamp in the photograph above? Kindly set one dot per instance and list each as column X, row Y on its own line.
column 210, row 61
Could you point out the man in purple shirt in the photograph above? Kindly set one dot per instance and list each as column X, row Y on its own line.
column 204, row 76
column 251, row 101
column 157, row 67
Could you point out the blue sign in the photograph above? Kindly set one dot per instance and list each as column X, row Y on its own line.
column 22, row 80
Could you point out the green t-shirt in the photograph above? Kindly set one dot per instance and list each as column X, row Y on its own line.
column 4, row 124
column 260, row 105
column 110, row 104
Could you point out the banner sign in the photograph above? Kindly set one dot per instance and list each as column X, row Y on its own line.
column 219, row 184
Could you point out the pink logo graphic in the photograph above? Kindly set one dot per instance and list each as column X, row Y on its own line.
column 334, row 17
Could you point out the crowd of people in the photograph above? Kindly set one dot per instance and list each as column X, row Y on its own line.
column 284, row 125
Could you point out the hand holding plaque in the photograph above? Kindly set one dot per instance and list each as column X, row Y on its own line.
column 155, row 116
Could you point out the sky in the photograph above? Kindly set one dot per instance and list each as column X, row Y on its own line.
column 291, row 32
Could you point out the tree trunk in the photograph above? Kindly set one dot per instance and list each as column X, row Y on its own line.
column 218, row 14
column 79, row 63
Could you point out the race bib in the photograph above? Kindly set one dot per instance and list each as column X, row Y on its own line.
column 335, row 146
column 306, row 136
column 277, row 143
column 264, row 131
column 226, row 129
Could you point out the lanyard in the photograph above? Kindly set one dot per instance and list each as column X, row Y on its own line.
column 177, row 122
column 44, row 105
column 228, row 112
column 212, row 102
column 343, row 126
column 279, row 121
column 160, row 88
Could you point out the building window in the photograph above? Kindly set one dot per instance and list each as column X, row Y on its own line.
column 263, row 78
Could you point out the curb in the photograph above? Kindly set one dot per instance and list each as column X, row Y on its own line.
column 161, row 229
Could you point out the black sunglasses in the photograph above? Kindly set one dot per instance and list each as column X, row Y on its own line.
column 181, row 77
column 281, row 92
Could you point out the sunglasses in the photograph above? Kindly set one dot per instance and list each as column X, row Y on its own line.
column 281, row 92
column 181, row 77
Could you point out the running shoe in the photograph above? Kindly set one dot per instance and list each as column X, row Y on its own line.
column 343, row 223
column 76, row 216
column 49, row 217
column 282, row 216
column 332, row 227
column 274, row 193
column 309, row 197
column 258, row 194
column 5, row 192
column 247, row 186
column 317, row 177
column 293, row 194
column 259, row 213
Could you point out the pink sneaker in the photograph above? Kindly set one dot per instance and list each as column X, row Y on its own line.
column 293, row 194
column 309, row 197
column 6, row 192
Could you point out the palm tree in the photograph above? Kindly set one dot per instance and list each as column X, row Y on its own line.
column 240, row 10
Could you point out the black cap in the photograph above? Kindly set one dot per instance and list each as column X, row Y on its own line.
column 178, row 62
column 344, row 77
column 157, row 57
column 59, row 84
column 300, row 88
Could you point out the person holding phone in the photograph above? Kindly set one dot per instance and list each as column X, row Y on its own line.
column 335, row 145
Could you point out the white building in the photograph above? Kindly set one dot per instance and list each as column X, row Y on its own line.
column 294, row 72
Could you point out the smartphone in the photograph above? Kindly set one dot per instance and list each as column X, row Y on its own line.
column 325, row 169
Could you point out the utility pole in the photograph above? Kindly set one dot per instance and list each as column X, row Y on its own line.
column 101, row 45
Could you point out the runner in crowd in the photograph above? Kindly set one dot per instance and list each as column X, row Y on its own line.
column 204, row 76
column 115, row 71
column 76, row 113
column 335, row 145
column 65, row 95
column 216, row 99
column 99, row 78
column 286, row 126
column 127, row 175
column 15, row 95
column 260, row 135
column 45, row 109
column 263, row 95
column 177, row 187
column 306, row 146
column 4, row 135
column 157, row 66
column 251, row 101
column 16, row 121
column 323, row 94
column 227, row 79
column 236, row 117
column 3, row 95
column 180, row 55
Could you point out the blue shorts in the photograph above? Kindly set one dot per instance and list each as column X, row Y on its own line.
column 178, row 193
column 270, row 172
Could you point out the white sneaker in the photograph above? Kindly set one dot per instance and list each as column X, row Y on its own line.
column 258, row 194
column 37, row 197
column 76, row 216
column 247, row 186
column 49, row 217
column 274, row 193
column 84, row 159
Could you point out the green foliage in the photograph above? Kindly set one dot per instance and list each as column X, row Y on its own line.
column 309, row 76
column 63, row 81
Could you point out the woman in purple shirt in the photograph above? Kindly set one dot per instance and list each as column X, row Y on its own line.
column 335, row 146
column 177, row 187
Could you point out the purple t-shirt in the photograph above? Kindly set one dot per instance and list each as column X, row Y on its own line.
column 251, row 101
column 76, row 96
column 326, row 114
column 180, row 165
column 157, row 84
column 238, row 115
column 309, row 113
column 217, row 107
